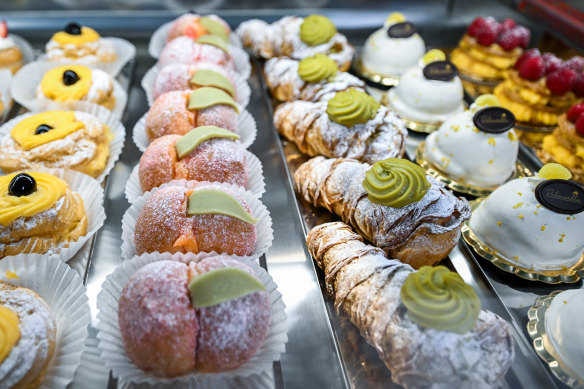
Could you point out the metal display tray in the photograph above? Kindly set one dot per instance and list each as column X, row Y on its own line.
column 324, row 349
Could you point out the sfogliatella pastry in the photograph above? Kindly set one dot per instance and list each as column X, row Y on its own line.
column 195, row 26
column 206, row 153
column 392, row 49
column 10, row 53
column 297, row 38
column 487, row 50
column 471, row 151
column 80, row 44
column 77, row 83
column 427, row 325
column 208, row 48
column 204, row 218
column 315, row 78
column 351, row 125
column 429, row 92
column 566, row 339
column 179, row 76
column 57, row 139
column 534, row 223
column 28, row 337
column 566, row 144
column 217, row 316
column 178, row 112
column 393, row 204
column 39, row 213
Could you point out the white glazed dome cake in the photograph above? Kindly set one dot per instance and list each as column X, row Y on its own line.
column 390, row 57
column 563, row 329
column 469, row 155
column 513, row 223
column 424, row 100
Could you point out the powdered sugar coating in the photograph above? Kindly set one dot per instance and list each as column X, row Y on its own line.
column 185, row 50
column 188, row 25
column 214, row 160
column 231, row 332
column 158, row 324
column 88, row 53
column 169, row 115
column 177, row 76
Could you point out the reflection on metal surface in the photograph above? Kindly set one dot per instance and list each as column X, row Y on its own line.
column 432, row 170
column 541, row 341
column 373, row 77
column 568, row 274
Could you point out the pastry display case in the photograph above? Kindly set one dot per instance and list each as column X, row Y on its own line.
column 324, row 349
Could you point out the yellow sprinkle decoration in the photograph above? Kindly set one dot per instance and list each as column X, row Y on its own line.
column 520, row 216
column 11, row 275
column 562, row 236
column 511, row 135
column 499, row 223
column 516, row 257
column 491, row 161
column 518, row 205
column 542, row 228
column 491, row 141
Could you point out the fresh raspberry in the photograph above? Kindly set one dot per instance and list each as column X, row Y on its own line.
column 3, row 29
column 551, row 62
column 525, row 56
column 524, row 36
column 580, row 125
column 560, row 81
column 578, row 87
column 575, row 112
column 532, row 68
column 474, row 27
column 507, row 24
column 575, row 63
column 487, row 35
column 508, row 40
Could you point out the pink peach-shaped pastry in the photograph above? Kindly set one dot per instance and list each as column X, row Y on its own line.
column 170, row 114
column 195, row 26
column 167, row 223
column 178, row 76
column 158, row 324
column 232, row 332
column 185, row 50
column 214, row 160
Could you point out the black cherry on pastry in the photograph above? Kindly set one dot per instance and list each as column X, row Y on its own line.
column 70, row 77
column 73, row 28
column 41, row 129
column 22, row 185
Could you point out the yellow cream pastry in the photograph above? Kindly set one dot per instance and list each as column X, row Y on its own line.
column 57, row 139
column 77, row 83
column 39, row 213
column 80, row 44
column 10, row 53
column 27, row 337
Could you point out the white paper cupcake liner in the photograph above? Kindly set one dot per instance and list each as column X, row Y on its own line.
column 114, row 355
column 103, row 115
column 255, row 182
column 64, row 292
column 92, row 194
column 246, row 129
column 158, row 40
column 125, row 51
column 92, row 372
column 28, row 52
column 28, row 78
column 5, row 95
column 242, row 88
column 265, row 234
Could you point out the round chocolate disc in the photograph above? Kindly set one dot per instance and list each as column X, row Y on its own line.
column 401, row 30
column 440, row 71
column 494, row 120
column 561, row 196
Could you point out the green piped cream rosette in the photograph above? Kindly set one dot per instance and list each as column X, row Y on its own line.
column 352, row 107
column 64, row 292
column 256, row 373
column 265, row 234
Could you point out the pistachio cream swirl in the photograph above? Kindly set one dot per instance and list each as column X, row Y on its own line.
column 316, row 30
column 352, row 107
column 437, row 298
column 395, row 182
column 317, row 68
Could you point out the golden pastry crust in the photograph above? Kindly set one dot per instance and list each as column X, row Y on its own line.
column 11, row 59
column 564, row 146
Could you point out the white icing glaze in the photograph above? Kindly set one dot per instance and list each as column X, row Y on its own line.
column 391, row 56
column 426, row 101
column 6, row 43
column 562, row 323
column 100, row 50
column 512, row 222
column 471, row 156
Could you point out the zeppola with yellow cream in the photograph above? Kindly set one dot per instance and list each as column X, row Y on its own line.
column 39, row 213
column 80, row 44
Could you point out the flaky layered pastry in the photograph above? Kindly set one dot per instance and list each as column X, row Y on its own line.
column 565, row 146
column 366, row 286
column 309, row 127
column 421, row 233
